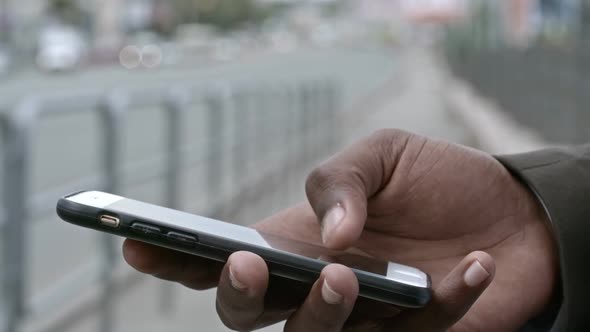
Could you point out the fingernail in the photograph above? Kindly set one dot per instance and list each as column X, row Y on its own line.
column 331, row 221
column 329, row 295
column 476, row 275
column 235, row 283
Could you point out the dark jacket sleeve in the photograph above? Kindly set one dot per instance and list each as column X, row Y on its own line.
column 560, row 178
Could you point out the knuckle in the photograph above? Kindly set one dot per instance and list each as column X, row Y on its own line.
column 325, row 322
column 451, row 312
column 231, row 321
column 232, row 307
column 386, row 138
column 318, row 179
column 387, row 134
column 325, row 178
column 313, row 321
column 232, row 325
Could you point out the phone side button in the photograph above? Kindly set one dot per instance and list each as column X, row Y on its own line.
column 146, row 229
column 182, row 238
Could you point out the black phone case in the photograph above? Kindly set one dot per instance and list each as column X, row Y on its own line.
column 284, row 265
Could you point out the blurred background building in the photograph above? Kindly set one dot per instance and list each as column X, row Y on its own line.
column 221, row 108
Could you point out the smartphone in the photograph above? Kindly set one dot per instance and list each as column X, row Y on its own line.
column 216, row 240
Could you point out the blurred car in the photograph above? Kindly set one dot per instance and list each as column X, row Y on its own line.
column 60, row 48
column 194, row 41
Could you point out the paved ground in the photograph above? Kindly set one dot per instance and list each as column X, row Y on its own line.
column 411, row 97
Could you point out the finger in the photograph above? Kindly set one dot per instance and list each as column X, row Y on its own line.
column 192, row 271
column 367, row 312
column 453, row 298
column 241, row 291
column 338, row 190
column 329, row 303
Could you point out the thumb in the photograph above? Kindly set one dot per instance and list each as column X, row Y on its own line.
column 340, row 204
column 453, row 297
column 339, row 189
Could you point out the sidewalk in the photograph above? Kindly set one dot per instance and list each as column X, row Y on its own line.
column 427, row 99
column 415, row 101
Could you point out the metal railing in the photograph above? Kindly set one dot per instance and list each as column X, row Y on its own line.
column 544, row 84
column 276, row 128
column 544, row 88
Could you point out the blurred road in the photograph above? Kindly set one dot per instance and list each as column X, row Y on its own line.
column 380, row 90
column 361, row 64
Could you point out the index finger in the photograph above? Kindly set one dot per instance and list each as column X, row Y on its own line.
column 192, row 271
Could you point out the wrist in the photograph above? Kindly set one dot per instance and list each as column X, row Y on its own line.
column 548, row 316
column 549, row 252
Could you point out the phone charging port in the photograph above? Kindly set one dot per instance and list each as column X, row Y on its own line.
column 110, row 221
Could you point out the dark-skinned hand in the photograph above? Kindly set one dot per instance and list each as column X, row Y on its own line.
column 451, row 211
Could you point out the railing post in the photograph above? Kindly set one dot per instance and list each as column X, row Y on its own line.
column 215, row 142
column 316, row 121
column 112, row 111
column 290, row 135
column 241, row 118
column 333, row 116
column 175, row 106
column 17, row 142
column 305, row 105
column 257, row 104
column 17, row 135
column 263, row 142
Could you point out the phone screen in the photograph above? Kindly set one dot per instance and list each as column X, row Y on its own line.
column 351, row 259
column 202, row 226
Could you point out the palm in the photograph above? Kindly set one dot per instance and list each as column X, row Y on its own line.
column 442, row 203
